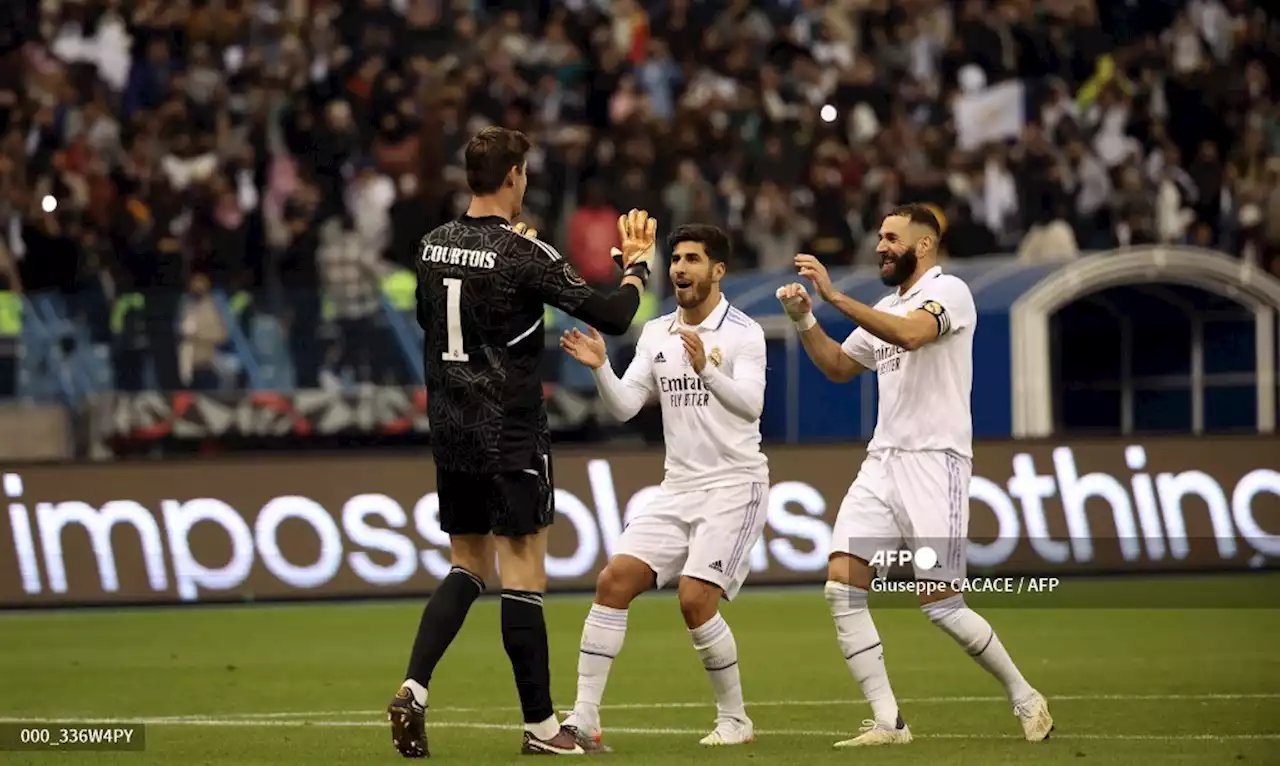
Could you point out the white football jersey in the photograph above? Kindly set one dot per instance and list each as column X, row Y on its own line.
column 708, row 444
column 924, row 394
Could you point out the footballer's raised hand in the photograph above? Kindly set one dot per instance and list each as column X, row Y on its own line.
column 812, row 269
column 795, row 301
column 586, row 349
column 638, row 234
column 797, row 305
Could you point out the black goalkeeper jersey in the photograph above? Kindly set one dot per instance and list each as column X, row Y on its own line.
column 481, row 291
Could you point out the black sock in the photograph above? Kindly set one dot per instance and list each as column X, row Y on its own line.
column 524, row 634
column 441, row 620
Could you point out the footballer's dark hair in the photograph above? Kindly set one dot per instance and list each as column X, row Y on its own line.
column 712, row 238
column 918, row 214
column 490, row 155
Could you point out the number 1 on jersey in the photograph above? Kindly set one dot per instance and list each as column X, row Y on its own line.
column 453, row 321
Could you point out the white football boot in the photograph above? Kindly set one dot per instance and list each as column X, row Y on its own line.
column 1033, row 714
column 731, row 731
column 874, row 734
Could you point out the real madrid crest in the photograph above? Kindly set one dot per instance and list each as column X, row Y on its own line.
column 716, row 357
column 933, row 307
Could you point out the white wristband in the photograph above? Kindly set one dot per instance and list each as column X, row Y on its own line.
column 805, row 322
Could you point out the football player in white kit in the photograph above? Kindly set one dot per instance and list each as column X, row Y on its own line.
column 705, row 363
column 914, row 483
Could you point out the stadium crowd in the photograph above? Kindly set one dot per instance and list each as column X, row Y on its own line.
column 167, row 147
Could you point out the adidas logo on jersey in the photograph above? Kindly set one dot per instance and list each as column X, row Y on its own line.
column 659, row 358
column 717, row 566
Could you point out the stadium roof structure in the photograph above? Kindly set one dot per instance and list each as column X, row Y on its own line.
column 1028, row 293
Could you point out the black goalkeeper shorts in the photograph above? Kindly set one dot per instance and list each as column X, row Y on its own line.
column 507, row 504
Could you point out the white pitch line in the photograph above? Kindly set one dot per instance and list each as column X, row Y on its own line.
column 306, row 714
column 258, row 722
column 1226, row 697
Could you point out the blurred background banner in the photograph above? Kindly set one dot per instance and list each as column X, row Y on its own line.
column 119, row 423
column 367, row 525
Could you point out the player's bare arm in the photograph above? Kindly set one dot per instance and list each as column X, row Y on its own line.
column 910, row 332
column 826, row 353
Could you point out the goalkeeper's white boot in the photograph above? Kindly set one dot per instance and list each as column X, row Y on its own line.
column 874, row 734
column 1033, row 714
column 731, row 731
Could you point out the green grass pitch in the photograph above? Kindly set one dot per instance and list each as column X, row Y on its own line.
column 306, row 684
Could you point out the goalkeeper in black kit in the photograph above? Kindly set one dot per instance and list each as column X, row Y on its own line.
column 482, row 285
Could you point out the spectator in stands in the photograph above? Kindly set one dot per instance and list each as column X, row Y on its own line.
column 370, row 196
column 10, row 323
column 965, row 237
column 412, row 217
column 217, row 138
column 351, row 272
column 592, row 232
column 773, row 229
column 203, row 333
column 299, row 278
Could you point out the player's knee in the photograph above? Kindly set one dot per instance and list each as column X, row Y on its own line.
column 530, row 577
column 521, row 562
column 611, row 589
column 476, row 565
column 850, row 570
column 843, row 598
column 939, row 591
column 942, row 611
column 473, row 553
column 621, row 581
column 699, row 600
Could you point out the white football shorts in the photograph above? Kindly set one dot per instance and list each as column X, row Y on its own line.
column 920, row 498
column 704, row 534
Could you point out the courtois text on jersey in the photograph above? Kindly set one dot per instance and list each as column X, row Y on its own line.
column 481, row 290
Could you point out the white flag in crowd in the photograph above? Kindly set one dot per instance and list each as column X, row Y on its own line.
column 991, row 114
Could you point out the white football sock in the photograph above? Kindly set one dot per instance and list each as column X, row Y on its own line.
column 976, row 636
column 860, row 645
column 719, row 653
column 419, row 691
column 602, row 636
column 545, row 730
